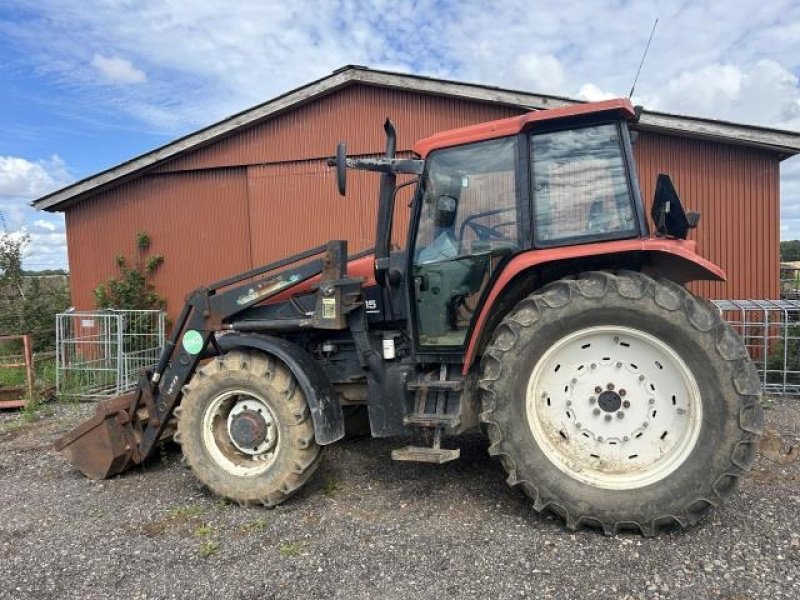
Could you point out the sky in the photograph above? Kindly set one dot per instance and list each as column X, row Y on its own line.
column 87, row 85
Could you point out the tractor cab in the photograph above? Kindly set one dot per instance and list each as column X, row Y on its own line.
column 555, row 178
column 558, row 182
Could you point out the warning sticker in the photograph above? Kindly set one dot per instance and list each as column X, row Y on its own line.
column 329, row 308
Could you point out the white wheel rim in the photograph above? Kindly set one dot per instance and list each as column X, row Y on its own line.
column 647, row 438
column 220, row 445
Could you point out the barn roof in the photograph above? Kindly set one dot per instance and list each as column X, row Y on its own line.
column 785, row 143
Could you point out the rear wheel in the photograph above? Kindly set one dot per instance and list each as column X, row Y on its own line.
column 618, row 401
column 245, row 429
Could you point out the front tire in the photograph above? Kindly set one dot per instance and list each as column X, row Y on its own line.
column 620, row 402
column 245, row 429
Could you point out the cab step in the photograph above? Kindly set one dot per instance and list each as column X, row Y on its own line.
column 435, row 456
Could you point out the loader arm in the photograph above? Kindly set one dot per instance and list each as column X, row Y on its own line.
column 124, row 431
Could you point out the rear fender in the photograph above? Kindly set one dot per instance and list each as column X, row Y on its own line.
column 673, row 259
column 326, row 411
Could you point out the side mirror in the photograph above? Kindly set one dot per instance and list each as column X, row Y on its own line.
column 668, row 214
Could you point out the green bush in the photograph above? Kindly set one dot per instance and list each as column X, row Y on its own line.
column 133, row 288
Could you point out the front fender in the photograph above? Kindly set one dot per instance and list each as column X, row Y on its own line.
column 674, row 259
column 326, row 411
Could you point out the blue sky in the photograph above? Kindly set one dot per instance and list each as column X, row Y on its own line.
column 86, row 85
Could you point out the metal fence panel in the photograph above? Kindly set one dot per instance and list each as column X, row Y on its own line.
column 770, row 329
column 99, row 354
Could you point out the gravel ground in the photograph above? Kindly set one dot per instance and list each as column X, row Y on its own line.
column 368, row 527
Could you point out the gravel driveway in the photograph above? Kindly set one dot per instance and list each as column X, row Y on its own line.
column 367, row 527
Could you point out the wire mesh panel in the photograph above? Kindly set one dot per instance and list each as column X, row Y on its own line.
column 770, row 330
column 99, row 354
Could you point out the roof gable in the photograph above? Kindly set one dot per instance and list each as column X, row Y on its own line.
column 785, row 142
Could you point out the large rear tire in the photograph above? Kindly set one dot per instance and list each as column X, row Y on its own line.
column 245, row 429
column 620, row 402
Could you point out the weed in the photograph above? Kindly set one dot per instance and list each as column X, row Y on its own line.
column 221, row 503
column 202, row 530
column 208, row 548
column 257, row 525
column 289, row 549
column 331, row 487
column 184, row 512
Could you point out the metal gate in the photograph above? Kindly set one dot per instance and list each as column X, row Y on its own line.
column 770, row 330
column 99, row 354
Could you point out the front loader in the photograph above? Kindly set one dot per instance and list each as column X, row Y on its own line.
column 533, row 299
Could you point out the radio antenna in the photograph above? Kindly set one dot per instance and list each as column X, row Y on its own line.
column 644, row 55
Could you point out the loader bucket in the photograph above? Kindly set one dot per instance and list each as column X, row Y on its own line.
column 105, row 444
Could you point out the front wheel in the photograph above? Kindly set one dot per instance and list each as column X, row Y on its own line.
column 245, row 429
column 619, row 401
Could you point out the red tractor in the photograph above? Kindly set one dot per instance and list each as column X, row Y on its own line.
column 532, row 299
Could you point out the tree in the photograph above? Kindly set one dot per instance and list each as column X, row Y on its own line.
column 12, row 248
column 790, row 251
column 28, row 304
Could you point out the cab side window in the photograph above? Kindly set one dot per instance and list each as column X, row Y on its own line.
column 580, row 186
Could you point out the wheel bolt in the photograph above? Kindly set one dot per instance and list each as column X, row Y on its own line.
column 610, row 386
column 599, row 438
column 598, row 389
column 608, row 417
column 593, row 366
column 645, row 424
column 626, row 404
column 641, row 377
column 574, row 380
column 619, row 365
column 622, row 392
column 625, row 438
column 578, row 424
column 569, row 402
column 652, row 401
column 596, row 411
column 592, row 399
column 620, row 414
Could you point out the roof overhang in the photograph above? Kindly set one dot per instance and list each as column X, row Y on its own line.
column 785, row 143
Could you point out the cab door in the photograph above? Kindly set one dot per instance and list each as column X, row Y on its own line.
column 468, row 221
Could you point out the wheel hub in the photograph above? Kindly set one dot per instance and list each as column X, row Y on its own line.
column 248, row 428
column 251, row 427
column 609, row 401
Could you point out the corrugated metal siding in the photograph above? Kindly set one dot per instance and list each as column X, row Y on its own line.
column 356, row 113
column 736, row 191
column 213, row 222
column 198, row 221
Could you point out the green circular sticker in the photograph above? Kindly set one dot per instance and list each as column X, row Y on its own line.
column 193, row 341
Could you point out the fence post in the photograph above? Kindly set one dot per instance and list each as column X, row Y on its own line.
column 28, row 351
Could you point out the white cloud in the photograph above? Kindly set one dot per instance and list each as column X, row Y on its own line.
column 46, row 225
column 592, row 93
column 22, row 180
column 762, row 92
column 115, row 69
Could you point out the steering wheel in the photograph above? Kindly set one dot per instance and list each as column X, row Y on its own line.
column 484, row 232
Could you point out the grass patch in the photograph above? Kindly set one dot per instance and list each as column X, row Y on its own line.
column 221, row 503
column 290, row 549
column 257, row 525
column 202, row 530
column 208, row 548
column 331, row 487
column 184, row 512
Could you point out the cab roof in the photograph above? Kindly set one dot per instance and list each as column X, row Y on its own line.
column 618, row 107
